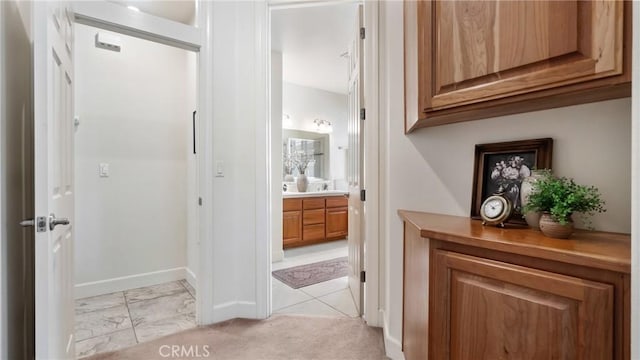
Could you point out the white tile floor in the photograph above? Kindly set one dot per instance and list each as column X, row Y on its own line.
column 125, row 318
column 329, row 298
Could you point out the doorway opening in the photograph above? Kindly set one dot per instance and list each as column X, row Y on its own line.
column 136, row 253
column 315, row 101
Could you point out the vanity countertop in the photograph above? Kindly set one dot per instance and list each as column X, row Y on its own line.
column 288, row 195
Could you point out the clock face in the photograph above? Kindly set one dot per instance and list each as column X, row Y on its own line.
column 493, row 208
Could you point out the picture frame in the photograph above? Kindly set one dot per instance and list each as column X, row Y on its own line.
column 503, row 166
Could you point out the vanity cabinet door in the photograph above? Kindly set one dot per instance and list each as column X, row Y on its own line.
column 291, row 227
column 337, row 223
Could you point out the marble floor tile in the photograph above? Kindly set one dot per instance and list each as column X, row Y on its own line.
column 110, row 342
column 341, row 301
column 154, row 291
column 189, row 288
column 312, row 307
column 99, row 302
column 326, row 287
column 162, row 307
column 283, row 296
column 102, row 322
column 147, row 331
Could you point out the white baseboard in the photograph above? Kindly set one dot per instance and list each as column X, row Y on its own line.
column 277, row 255
column 190, row 276
column 392, row 346
column 234, row 309
column 128, row 282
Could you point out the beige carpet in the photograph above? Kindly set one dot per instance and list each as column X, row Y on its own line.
column 281, row 337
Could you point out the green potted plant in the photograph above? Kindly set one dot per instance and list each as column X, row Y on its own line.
column 558, row 199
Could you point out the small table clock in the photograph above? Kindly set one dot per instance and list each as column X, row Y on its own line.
column 496, row 209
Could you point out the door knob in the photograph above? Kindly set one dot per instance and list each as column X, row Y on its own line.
column 54, row 221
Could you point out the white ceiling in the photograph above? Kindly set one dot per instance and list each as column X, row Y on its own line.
column 182, row 11
column 311, row 40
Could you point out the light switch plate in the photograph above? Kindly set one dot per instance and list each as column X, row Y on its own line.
column 104, row 170
column 219, row 168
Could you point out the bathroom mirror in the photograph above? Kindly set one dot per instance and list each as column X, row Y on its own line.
column 309, row 144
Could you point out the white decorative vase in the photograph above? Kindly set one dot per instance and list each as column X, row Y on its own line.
column 302, row 183
column 532, row 217
column 289, row 178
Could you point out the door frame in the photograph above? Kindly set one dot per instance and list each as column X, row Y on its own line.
column 119, row 19
column 635, row 191
column 4, row 332
column 268, row 177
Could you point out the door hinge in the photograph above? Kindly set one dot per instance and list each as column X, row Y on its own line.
column 363, row 195
column 363, row 113
column 363, row 276
column 362, row 33
column 200, row 201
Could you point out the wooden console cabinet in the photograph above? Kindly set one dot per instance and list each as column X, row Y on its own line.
column 313, row 220
column 474, row 292
column 468, row 60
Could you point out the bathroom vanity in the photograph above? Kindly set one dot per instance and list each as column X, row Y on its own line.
column 310, row 218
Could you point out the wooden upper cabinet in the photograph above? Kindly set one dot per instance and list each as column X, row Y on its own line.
column 467, row 60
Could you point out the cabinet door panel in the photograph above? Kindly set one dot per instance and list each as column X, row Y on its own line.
column 467, row 60
column 490, row 49
column 337, row 222
column 291, row 227
column 484, row 309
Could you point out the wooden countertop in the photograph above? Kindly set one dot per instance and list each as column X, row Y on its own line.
column 601, row 250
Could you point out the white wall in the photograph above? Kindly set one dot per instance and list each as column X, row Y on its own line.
column 431, row 170
column 235, row 134
column 135, row 115
column 304, row 104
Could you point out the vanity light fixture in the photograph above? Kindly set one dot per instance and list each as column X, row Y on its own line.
column 323, row 126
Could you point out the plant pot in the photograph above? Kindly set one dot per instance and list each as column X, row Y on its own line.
column 302, row 183
column 554, row 229
column 532, row 217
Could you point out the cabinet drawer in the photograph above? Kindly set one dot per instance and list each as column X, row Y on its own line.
column 337, row 201
column 291, row 204
column 315, row 203
column 313, row 232
column 311, row 217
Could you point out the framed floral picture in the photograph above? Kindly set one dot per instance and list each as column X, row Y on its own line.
column 501, row 167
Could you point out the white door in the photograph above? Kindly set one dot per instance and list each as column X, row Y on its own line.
column 355, row 174
column 54, row 190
